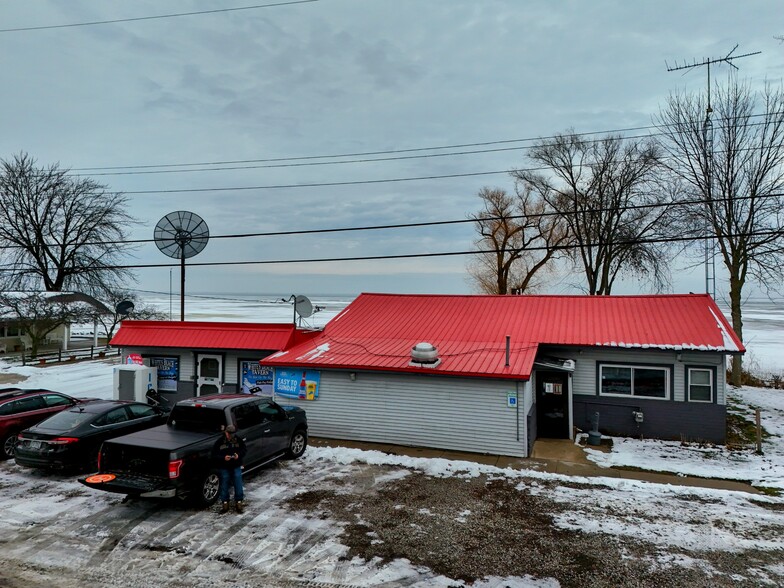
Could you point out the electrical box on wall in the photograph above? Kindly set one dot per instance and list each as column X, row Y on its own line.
column 132, row 381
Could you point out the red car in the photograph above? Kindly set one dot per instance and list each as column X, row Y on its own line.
column 20, row 409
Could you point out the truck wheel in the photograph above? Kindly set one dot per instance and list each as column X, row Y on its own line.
column 298, row 443
column 205, row 492
column 9, row 445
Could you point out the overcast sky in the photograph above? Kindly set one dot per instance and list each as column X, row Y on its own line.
column 340, row 77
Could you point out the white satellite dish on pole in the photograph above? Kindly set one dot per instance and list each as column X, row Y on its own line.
column 302, row 307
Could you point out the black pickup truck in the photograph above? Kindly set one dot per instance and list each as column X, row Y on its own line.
column 175, row 459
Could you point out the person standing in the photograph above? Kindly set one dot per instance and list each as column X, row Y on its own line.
column 228, row 453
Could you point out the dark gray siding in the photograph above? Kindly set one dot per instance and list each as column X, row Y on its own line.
column 661, row 420
column 459, row 414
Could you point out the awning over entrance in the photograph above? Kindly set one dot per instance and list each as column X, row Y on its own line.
column 554, row 363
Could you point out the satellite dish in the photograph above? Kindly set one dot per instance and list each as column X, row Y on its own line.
column 181, row 234
column 124, row 308
column 303, row 306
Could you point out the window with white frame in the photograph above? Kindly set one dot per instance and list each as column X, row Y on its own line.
column 700, row 384
column 634, row 380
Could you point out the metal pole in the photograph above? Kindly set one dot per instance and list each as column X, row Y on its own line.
column 182, row 286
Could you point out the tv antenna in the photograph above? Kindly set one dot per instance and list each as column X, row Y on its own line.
column 181, row 234
column 707, row 137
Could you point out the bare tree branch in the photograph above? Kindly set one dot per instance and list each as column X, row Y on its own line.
column 59, row 232
column 741, row 180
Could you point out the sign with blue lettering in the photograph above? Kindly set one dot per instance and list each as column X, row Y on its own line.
column 255, row 378
column 168, row 371
column 511, row 399
column 302, row 384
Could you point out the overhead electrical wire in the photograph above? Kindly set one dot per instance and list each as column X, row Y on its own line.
column 302, row 161
column 437, row 222
column 417, row 255
column 154, row 17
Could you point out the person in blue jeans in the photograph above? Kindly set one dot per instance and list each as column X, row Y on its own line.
column 228, row 453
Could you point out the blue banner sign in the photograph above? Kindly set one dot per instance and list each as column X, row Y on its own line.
column 302, row 384
column 168, row 371
column 255, row 378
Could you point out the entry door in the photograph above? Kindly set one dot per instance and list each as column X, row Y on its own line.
column 209, row 374
column 552, row 404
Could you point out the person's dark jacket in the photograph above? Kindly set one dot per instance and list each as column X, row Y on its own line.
column 231, row 447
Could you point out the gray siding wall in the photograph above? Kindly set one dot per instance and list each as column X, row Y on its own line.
column 460, row 414
column 664, row 419
column 186, row 383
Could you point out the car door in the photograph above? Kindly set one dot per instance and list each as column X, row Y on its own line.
column 250, row 429
column 276, row 428
column 25, row 412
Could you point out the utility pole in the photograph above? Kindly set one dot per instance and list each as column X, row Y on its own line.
column 707, row 138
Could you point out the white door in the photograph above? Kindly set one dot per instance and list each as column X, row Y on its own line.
column 209, row 374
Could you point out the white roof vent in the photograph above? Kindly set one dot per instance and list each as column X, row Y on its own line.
column 424, row 355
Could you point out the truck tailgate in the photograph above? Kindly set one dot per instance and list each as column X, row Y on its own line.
column 126, row 483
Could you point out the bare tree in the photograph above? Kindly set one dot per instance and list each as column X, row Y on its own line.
column 740, row 179
column 38, row 316
column 59, row 231
column 518, row 236
column 140, row 311
column 607, row 194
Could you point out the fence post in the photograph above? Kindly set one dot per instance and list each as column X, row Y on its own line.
column 91, row 351
column 23, row 359
column 59, row 355
column 759, row 431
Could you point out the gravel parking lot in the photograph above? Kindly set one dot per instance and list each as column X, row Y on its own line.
column 318, row 522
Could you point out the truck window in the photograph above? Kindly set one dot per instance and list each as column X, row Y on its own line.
column 247, row 415
column 197, row 418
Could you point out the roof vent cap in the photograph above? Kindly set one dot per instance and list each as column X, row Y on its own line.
column 424, row 353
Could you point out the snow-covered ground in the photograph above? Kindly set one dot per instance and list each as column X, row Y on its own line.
column 54, row 531
column 682, row 525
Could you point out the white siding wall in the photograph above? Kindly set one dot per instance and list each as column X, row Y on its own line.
column 460, row 414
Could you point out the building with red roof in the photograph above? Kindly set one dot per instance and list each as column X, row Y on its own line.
column 487, row 374
column 197, row 358
column 491, row 373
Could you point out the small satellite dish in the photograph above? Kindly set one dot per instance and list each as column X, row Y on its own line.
column 124, row 308
column 303, row 306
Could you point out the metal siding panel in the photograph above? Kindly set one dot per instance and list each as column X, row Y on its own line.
column 457, row 414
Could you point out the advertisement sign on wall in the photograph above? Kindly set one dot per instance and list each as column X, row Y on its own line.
column 302, row 384
column 255, row 378
column 168, row 371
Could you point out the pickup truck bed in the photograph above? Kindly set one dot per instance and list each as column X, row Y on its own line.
column 175, row 460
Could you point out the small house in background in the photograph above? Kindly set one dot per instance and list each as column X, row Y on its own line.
column 21, row 314
column 490, row 374
column 198, row 358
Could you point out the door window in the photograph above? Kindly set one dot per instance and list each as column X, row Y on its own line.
column 56, row 400
column 210, row 368
column 247, row 415
column 118, row 415
column 140, row 411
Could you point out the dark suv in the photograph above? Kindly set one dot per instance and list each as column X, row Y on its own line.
column 20, row 409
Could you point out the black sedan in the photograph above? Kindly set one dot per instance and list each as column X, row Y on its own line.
column 71, row 438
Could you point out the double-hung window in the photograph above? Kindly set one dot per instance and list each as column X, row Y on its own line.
column 634, row 380
column 700, row 384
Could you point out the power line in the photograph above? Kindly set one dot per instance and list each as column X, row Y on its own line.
column 422, row 255
column 441, row 222
column 139, row 18
column 319, row 184
column 301, row 161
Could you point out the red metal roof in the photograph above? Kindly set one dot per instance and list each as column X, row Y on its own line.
column 377, row 331
column 206, row 335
